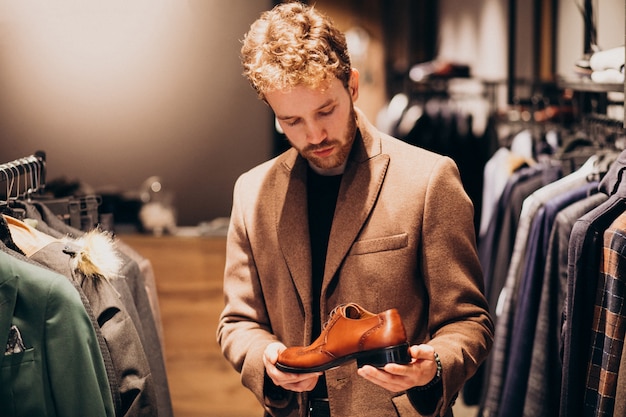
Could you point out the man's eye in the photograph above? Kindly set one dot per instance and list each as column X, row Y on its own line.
column 327, row 112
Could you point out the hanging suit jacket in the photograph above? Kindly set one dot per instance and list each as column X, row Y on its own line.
column 8, row 246
column 92, row 263
column 402, row 236
column 544, row 380
column 137, row 271
column 583, row 393
column 132, row 289
column 52, row 365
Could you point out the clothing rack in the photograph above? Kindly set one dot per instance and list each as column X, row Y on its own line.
column 604, row 130
column 27, row 174
column 107, row 369
column 602, row 119
column 26, row 177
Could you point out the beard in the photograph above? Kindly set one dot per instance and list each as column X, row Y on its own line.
column 342, row 147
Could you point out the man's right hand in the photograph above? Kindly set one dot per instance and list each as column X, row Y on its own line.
column 289, row 381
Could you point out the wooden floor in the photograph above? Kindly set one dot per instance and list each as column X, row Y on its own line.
column 189, row 273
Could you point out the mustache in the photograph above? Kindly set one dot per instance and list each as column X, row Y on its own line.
column 324, row 144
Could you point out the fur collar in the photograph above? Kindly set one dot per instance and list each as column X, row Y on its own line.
column 94, row 255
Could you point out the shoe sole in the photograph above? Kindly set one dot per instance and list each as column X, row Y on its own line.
column 378, row 358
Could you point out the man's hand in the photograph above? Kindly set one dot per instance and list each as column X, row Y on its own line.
column 289, row 381
column 397, row 378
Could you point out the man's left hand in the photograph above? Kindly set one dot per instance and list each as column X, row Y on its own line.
column 396, row 378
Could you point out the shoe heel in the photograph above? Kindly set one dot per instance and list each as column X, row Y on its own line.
column 379, row 358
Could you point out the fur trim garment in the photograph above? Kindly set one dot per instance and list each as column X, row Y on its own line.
column 94, row 255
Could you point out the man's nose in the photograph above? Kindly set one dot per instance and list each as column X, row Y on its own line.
column 316, row 133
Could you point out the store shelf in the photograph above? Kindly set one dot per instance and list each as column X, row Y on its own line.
column 585, row 84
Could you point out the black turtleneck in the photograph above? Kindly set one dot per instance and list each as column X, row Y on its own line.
column 322, row 197
column 322, row 194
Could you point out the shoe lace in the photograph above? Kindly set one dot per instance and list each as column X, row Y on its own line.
column 335, row 311
column 332, row 314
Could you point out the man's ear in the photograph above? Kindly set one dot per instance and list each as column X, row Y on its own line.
column 353, row 84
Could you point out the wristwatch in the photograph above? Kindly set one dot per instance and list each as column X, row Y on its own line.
column 435, row 379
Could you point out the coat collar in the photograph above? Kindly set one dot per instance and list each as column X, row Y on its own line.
column 613, row 183
column 360, row 186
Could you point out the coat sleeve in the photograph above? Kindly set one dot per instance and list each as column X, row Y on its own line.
column 460, row 325
column 76, row 369
column 244, row 330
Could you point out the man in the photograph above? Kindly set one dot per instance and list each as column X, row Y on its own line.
column 346, row 216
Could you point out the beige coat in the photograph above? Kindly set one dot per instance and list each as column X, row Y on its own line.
column 402, row 237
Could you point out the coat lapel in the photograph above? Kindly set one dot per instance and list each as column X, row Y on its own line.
column 293, row 226
column 361, row 183
column 359, row 191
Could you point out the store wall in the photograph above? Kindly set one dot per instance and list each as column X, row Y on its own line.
column 361, row 22
column 475, row 32
column 117, row 91
column 610, row 21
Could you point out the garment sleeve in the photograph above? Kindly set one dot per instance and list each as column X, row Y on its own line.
column 426, row 401
column 76, row 369
column 135, row 378
column 460, row 325
column 244, row 330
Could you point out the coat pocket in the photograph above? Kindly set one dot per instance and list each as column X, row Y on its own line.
column 19, row 380
column 380, row 244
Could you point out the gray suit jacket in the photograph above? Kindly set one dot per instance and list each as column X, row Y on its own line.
column 133, row 293
column 136, row 386
column 402, row 236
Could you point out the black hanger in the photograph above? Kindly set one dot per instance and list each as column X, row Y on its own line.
column 22, row 178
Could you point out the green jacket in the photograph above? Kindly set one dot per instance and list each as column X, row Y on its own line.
column 56, row 368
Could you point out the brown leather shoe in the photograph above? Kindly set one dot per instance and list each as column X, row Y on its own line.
column 351, row 333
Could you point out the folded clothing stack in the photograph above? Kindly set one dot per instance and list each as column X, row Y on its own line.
column 608, row 66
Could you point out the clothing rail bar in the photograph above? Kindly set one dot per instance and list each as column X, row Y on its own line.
column 28, row 173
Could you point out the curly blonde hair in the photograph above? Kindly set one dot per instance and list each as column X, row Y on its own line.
column 294, row 44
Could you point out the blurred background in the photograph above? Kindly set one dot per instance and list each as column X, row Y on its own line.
column 119, row 91
column 140, row 112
